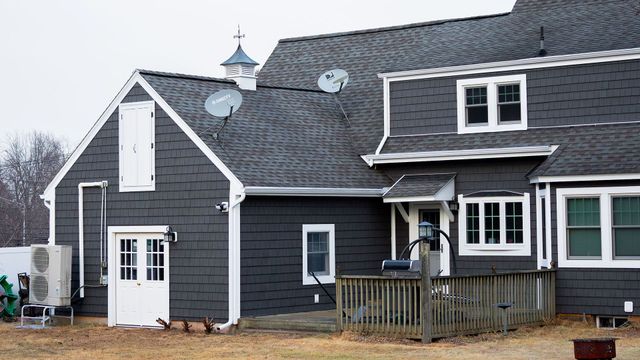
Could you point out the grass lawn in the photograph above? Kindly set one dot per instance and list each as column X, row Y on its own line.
column 99, row 342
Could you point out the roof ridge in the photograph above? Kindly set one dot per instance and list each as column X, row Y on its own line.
column 215, row 79
column 390, row 28
column 183, row 76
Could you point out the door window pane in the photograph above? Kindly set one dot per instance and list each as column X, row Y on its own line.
column 155, row 260
column 509, row 103
column 318, row 253
column 433, row 217
column 476, row 105
column 583, row 227
column 128, row 259
column 492, row 223
column 626, row 226
column 473, row 224
column 514, row 222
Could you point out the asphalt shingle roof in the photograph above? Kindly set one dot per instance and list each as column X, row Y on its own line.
column 418, row 185
column 583, row 150
column 279, row 137
column 571, row 26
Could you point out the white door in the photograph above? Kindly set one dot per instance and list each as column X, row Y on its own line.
column 142, row 285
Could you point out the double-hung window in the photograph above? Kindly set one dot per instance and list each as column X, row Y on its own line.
column 318, row 253
column 495, row 225
column 599, row 227
column 492, row 104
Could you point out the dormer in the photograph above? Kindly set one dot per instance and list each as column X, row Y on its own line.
column 240, row 67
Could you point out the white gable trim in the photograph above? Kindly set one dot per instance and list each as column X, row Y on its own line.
column 516, row 65
column 578, row 178
column 136, row 78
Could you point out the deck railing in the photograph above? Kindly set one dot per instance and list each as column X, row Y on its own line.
column 460, row 304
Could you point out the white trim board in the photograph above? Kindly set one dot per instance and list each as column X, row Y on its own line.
column 579, row 178
column 516, row 65
column 606, row 233
column 136, row 78
column 305, row 191
column 112, row 231
column 501, row 248
column 466, row 154
column 330, row 278
column 491, row 84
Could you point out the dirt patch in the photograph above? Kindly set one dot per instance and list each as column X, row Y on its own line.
column 99, row 342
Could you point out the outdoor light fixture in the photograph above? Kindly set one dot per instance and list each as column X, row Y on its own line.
column 453, row 206
column 170, row 236
column 425, row 230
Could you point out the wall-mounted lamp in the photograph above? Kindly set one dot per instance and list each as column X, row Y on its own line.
column 453, row 206
column 170, row 236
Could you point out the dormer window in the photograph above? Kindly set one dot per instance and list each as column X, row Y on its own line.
column 492, row 104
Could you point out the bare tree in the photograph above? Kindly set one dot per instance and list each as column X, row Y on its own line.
column 29, row 162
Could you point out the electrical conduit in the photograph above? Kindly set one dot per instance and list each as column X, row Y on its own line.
column 81, row 186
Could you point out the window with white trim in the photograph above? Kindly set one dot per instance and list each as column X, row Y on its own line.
column 599, row 227
column 492, row 104
column 137, row 146
column 494, row 225
column 318, row 253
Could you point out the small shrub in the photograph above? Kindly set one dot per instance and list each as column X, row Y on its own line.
column 165, row 325
column 186, row 327
column 208, row 325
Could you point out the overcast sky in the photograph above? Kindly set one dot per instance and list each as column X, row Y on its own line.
column 62, row 62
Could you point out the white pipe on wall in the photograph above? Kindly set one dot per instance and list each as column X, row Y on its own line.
column 81, row 186
column 234, row 260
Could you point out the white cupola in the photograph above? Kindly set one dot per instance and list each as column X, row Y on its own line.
column 240, row 67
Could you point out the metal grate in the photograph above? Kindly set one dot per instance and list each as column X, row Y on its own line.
column 40, row 259
column 39, row 287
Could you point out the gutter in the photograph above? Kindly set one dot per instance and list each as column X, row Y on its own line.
column 311, row 191
column 466, row 154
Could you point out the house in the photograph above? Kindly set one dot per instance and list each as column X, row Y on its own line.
column 518, row 134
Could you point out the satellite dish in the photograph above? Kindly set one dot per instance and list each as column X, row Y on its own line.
column 223, row 103
column 333, row 81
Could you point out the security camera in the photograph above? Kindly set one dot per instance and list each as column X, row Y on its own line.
column 223, row 207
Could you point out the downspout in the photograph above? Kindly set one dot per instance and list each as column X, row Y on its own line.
column 235, row 198
column 81, row 186
column 49, row 200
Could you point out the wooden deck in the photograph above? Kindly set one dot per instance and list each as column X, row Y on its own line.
column 318, row 321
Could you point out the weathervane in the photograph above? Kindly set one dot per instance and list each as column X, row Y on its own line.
column 238, row 36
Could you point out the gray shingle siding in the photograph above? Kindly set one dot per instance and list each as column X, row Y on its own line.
column 187, row 187
column 587, row 290
column 271, row 248
column 569, row 95
column 472, row 176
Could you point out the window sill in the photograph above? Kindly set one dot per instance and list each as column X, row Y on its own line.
column 136, row 188
column 602, row 264
column 499, row 250
column 324, row 279
column 484, row 129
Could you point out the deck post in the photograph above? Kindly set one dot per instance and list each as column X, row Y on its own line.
column 426, row 293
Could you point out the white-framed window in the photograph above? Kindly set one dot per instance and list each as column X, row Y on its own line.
column 494, row 225
column 492, row 104
column 318, row 253
column 599, row 227
column 136, row 133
